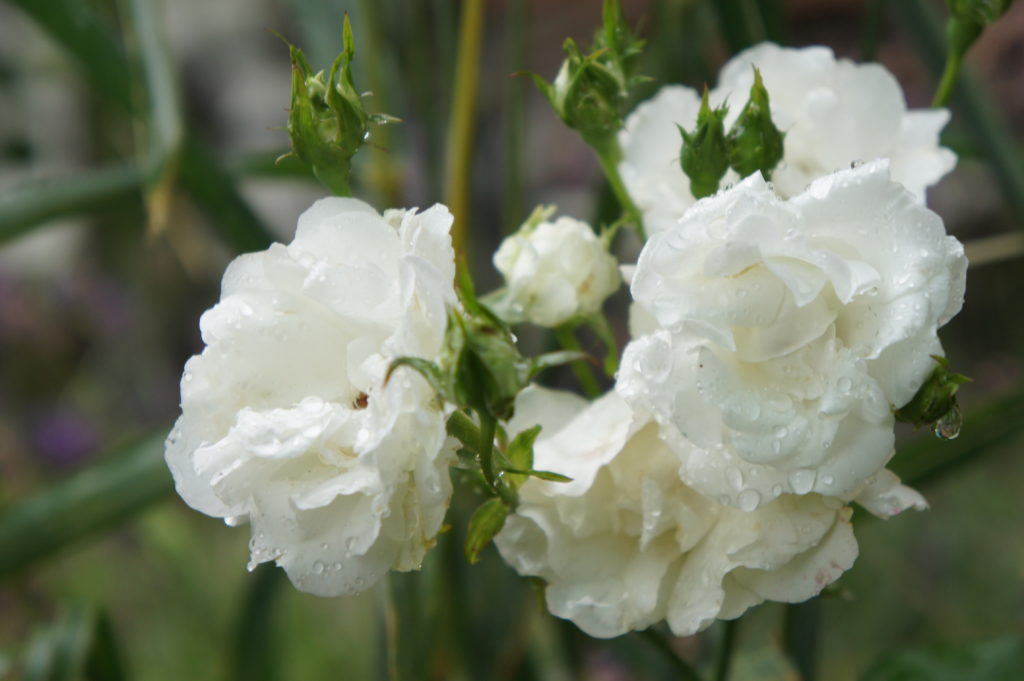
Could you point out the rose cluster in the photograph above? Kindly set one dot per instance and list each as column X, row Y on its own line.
column 776, row 327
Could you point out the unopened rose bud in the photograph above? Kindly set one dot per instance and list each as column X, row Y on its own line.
column 755, row 144
column 705, row 154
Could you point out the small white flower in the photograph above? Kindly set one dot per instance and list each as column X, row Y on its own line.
column 554, row 271
column 627, row 544
column 789, row 330
column 285, row 419
column 834, row 113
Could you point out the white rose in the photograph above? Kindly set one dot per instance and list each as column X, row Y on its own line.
column 834, row 113
column 789, row 330
column 285, row 419
column 555, row 271
column 627, row 544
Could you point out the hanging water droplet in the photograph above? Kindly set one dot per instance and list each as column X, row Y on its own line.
column 948, row 427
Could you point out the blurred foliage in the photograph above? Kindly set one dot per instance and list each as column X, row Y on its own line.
column 120, row 115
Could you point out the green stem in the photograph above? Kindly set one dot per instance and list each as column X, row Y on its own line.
column 948, row 81
column 726, row 649
column 685, row 671
column 461, row 125
column 567, row 339
column 801, row 627
column 608, row 155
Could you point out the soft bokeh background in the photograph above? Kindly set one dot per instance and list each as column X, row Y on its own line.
column 100, row 298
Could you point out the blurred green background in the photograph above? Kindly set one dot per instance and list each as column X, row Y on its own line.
column 137, row 140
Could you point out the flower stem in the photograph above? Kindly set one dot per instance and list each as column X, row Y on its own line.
column 460, row 129
column 948, row 80
column 608, row 156
column 686, row 672
column 567, row 339
column 725, row 650
column 800, row 636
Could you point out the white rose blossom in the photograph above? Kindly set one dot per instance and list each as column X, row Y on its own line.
column 286, row 421
column 833, row 112
column 555, row 271
column 789, row 330
column 627, row 543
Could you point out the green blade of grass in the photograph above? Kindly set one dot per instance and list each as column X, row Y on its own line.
column 96, row 499
column 82, row 32
column 39, row 202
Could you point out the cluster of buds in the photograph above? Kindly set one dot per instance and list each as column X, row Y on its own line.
column 753, row 143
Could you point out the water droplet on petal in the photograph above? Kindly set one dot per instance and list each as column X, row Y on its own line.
column 845, row 385
column 776, row 490
column 801, row 481
column 749, row 499
column 735, row 478
column 318, row 568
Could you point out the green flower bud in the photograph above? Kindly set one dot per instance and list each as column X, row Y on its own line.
column 327, row 122
column 755, row 144
column 935, row 401
column 591, row 91
column 979, row 12
column 705, row 156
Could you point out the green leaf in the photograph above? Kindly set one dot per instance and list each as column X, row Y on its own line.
column 537, row 364
column 487, row 521
column 99, row 498
column 999, row 659
column 550, row 476
column 520, row 450
column 255, row 655
column 165, row 127
column 37, row 203
column 80, row 644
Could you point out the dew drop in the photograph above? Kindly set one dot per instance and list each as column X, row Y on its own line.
column 749, row 499
column 781, row 432
column 801, row 481
column 948, row 427
column 323, row 547
column 845, row 385
column 776, row 490
column 827, row 479
column 318, row 568
column 735, row 478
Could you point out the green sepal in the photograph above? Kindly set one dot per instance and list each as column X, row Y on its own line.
column 550, row 476
column 755, row 144
column 486, row 522
column 935, row 399
column 705, row 154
